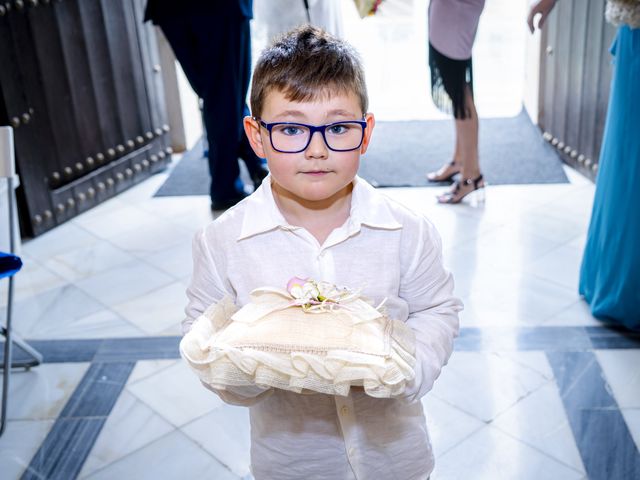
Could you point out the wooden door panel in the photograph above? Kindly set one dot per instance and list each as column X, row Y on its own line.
column 575, row 73
column 82, row 71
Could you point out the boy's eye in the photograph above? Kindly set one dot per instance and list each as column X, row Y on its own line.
column 289, row 130
column 338, row 129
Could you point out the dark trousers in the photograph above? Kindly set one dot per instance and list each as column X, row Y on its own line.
column 214, row 50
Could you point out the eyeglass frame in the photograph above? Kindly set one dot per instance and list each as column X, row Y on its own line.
column 312, row 130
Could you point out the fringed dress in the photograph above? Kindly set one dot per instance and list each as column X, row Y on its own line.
column 452, row 31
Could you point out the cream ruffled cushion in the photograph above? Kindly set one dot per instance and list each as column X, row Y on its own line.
column 270, row 342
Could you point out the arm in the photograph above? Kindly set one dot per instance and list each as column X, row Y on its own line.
column 206, row 288
column 433, row 310
column 542, row 8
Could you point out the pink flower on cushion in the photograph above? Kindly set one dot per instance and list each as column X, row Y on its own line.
column 295, row 286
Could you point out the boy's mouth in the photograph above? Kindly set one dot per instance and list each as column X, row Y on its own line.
column 316, row 172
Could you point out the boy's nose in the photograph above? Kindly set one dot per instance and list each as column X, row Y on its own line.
column 317, row 148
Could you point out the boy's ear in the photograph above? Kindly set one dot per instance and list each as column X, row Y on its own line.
column 252, row 130
column 371, row 122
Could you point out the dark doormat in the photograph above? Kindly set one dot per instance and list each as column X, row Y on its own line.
column 512, row 151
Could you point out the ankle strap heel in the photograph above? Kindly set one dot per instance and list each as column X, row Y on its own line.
column 473, row 188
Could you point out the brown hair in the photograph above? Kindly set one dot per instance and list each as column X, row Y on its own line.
column 305, row 63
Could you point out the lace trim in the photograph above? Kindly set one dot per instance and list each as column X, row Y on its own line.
column 382, row 370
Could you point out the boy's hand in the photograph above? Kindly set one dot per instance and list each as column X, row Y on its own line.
column 542, row 8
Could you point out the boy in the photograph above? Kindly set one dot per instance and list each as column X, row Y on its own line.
column 313, row 217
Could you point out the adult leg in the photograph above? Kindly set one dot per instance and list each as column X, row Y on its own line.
column 467, row 139
column 183, row 37
column 466, row 153
column 207, row 47
column 222, row 106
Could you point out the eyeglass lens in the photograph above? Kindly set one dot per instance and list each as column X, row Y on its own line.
column 294, row 138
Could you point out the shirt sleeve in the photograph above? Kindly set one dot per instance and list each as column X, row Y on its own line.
column 433, row 310
column 205, row 289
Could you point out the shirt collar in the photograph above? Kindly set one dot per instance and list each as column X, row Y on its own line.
column 261, row 214
column 368, row 208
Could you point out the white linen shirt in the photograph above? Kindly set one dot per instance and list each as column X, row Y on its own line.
column 387, row 251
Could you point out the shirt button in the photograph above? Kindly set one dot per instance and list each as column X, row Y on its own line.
column 344, row 410
column 352, row 451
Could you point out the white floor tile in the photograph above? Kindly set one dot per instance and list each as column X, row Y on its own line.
column 560, row 266
column 64, row 238
column 622, row 372
column 176, row 394
column 131, row 425
column 155, row 311
column 78, row 263
column 578, row 314
column 42, row 392
column 485, row 385
column 172, row 457
column 124, row 283
column 175, row 208
column 31, row 280
column 490, row 454
column 102, row 324
column 535, row 360
column 51, row 311
column 152, row 237
column 116, row 221
column 539, row 222
column 176, row 261
column 19, row 443
column 539, row 420
column 146, row 368
column 225, row 434
column 506, row 249
column 448, row 426
column 515, row 299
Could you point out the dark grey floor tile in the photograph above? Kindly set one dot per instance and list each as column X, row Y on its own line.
column 98, row 390
column 610, row 337
column 133, row 349
column 601, row 434
column 64, row 451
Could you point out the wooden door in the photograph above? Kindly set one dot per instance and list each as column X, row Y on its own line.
column 80, row 84
column 575, row 74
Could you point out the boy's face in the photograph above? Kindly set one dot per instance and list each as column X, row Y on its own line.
column 316, row 174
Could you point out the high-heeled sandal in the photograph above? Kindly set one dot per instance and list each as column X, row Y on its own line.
column 457, row 193
column 445, row 174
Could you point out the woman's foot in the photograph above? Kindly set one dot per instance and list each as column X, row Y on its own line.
column 463, row 188
column 446, row 173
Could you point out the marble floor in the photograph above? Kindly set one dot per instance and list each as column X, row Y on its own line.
column 536, row 387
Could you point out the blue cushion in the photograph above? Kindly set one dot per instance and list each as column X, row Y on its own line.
column 9, row 264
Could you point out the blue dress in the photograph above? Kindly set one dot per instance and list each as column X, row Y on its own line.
column 610, row 272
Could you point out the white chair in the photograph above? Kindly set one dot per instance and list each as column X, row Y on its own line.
column 12, row 264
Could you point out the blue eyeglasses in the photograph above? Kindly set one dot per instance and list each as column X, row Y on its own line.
column 289, row 137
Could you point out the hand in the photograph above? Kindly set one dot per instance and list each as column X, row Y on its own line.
column 543, row 8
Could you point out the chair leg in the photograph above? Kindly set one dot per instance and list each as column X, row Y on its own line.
column 6, row 361
column 8, row 364
column 35, row 357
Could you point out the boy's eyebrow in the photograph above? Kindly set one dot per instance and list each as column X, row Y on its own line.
column 341, row 113
column 290, row 113
column 333, row 113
